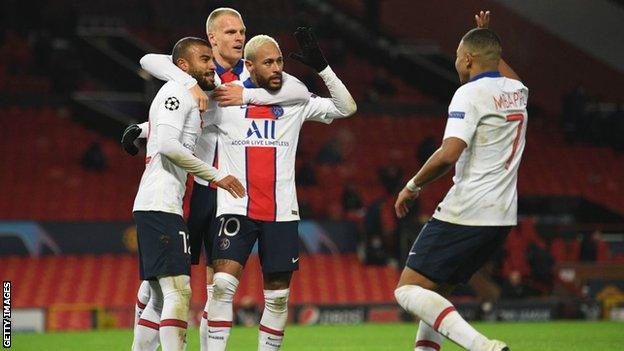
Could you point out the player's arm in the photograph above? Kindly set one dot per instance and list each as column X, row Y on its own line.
column 162, row 67
column 132, row 133
column 436, row 166
column 483, row 21
column 293, row 92
column 169, row 124
column 341, row 104
column 169, row 145
column 460, row 128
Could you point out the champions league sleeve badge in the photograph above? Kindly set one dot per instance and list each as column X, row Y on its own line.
column 172, row 103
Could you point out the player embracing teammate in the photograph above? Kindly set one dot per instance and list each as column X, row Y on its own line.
column 256, row 140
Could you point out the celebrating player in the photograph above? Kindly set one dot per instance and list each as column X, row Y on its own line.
column 226, row 32
column 164, row 250
column 484, row 139
column 259, row 143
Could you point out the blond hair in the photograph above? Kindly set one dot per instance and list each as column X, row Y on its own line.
column 212, row 18
column 254, row 43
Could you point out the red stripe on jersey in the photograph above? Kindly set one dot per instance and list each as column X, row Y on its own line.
column 271, row 331
column 173, row 323
column 427, row 343
column 260, row 112
column 441, row 316
column 228, row 76
column 220, row 324
column 261, row 175
column 148, row 324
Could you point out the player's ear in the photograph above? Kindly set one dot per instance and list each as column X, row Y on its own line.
column 183, row 64
column 249, row 65
column 469, row 60
column 211, row 39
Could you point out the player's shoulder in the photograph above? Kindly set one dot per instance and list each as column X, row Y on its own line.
column 174, row 96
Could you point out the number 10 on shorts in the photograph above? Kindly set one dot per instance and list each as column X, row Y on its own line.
column 185, row 243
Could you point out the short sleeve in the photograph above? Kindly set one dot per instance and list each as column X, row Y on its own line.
column 173, row 106
column 462, row 117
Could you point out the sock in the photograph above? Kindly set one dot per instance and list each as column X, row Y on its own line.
column 203, row 325
column 273, row 321
column 143, row 296
column 439, row 313
column 220, row 312
column 146, row 331
column 427, row 339
column 173, row 321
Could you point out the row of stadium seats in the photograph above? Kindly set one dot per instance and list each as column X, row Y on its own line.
column 43, row 148
column 112, row 280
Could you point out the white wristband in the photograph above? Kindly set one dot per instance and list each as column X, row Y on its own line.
column 411, row 186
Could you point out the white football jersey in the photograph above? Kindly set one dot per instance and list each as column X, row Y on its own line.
column 257, row 144
column 488, row 113
column 206, row 149
column 163, row 184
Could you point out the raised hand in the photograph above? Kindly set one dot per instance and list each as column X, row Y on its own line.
column 483, row 19
column 311, row 54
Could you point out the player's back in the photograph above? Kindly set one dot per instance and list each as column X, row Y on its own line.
column 162, row 185
column 489, row 114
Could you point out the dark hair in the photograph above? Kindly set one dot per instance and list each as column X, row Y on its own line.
column 181, row 48
column 484, row 42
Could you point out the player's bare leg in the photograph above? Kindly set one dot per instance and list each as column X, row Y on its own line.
column 176, row 292
column 275, row 314
column 146, row 330
column 424, row 298
column 220, row 313
column 203, row 325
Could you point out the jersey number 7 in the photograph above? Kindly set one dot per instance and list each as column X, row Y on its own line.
column 515, row 117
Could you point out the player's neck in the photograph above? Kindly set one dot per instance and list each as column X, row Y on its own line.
column 226, row 64
column 477, row 70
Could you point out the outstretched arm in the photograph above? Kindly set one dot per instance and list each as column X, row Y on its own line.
column 170, row 146
column 483, row 21
column 162, row 67
column 293, row 92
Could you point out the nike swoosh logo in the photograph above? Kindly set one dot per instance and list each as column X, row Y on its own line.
column 294, row 260
column 411, row 253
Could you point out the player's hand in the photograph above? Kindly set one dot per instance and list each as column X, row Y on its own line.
column 200, row 97
column 228, row 95
column 403, row 202
column 232, row 185
column 131, row 133
column 483, row 19
column 311, row 54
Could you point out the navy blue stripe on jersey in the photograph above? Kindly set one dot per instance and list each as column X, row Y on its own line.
column 488, row 74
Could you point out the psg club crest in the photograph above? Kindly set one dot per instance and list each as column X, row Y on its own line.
column 223, row 244
column 172, row 103
column 277, row 111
